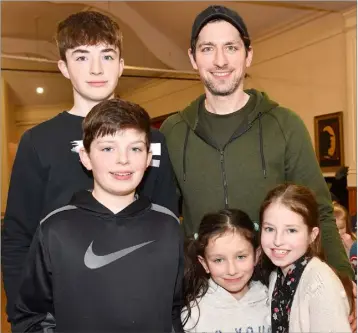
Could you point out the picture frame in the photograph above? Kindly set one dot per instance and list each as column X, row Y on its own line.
column 328, row 133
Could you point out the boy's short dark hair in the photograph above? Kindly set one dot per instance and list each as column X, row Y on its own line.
column 87, row 28
column 110, row 116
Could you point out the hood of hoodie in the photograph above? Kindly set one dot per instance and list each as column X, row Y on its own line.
column 257, row 293
column 219, row 311
column 190, row 115
column 263, row 104
column 85, row 200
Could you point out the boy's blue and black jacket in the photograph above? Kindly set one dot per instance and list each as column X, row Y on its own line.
column 47, row 172
column 90, row 270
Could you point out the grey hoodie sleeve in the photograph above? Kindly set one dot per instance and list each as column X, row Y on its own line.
column 301, row 167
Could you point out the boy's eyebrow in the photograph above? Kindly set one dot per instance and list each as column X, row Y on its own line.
column 111, row 141
column 105, row 141
column 80, row 51
column 138, row 141
column 109, row 49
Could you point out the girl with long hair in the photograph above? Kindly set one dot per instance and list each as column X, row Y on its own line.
column 222, row 289
column 305, row 293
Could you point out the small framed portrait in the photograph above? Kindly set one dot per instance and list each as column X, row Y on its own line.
column 328, row 132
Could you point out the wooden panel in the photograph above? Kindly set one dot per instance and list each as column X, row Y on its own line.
column 352, row 200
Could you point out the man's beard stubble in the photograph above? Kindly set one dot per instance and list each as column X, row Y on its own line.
column 227, row 92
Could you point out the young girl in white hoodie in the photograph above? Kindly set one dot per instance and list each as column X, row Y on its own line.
column 305, row 293
column 221, row 294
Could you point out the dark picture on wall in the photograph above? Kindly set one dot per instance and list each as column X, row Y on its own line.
column 328, row 130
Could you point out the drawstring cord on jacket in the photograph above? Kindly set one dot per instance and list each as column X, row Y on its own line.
column 184, row 151
column 263, row 162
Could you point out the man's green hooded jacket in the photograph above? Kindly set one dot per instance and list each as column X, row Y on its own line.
column 270, row 147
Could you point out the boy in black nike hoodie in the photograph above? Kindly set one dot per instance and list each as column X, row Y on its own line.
column 47, row 170
column 110, row 261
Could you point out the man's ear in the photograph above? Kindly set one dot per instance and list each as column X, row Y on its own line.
column 192, row 60
column 203, row 263
column 250, row 53
column 85, row 159
column 62, row 66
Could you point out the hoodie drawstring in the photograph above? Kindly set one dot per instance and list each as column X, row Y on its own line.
column 263, row 162
column 184, row 151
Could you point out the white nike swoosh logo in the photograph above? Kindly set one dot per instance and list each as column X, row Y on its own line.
column 94, row 261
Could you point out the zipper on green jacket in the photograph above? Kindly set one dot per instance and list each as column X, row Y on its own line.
column 222, row 164
column 224, row 178
column 221, row 151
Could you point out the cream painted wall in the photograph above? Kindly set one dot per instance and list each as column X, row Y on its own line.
column 163, row 96
column 304, row 68
column 350, row 122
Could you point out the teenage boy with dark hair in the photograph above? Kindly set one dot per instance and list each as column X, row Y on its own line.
column 47, row 171
column 110, row 261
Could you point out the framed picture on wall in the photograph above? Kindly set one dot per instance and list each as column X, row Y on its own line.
column 328, row 132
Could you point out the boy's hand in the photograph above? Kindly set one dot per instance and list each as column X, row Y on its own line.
column 353, row 315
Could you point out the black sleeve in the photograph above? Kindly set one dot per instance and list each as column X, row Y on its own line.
column 24, row 206
column 178, row 293
column 33, row 309
column 165, row 193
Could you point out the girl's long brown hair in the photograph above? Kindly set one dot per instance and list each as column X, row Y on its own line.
column 302, row 201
